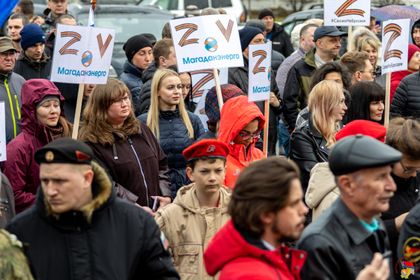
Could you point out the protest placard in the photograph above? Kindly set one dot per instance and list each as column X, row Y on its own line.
column 206, row 42
column 2, row 132
column 259, row 72
column 82, row 54
column 347, row 12
column 395, row 37
column 203, row 80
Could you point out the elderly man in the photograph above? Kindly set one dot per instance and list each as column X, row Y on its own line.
column 10, row 86
column 79, row 229
column 349, row 235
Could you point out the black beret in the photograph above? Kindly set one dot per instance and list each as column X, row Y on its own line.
column 65, row 150
column 358, row 152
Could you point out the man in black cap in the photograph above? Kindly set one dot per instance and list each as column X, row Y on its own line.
column 296, row 90
column 276, row 33
column 79, row 229
column 349, row 235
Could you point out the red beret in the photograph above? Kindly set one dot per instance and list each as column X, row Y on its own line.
column 363, row 127
column 211, row 148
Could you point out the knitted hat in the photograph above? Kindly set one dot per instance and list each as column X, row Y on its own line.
column 211, row 105
column 134, row 44
column 265, row 12
column 31, row 34
column 246, row 35
column 412, row 49
column 363, row 127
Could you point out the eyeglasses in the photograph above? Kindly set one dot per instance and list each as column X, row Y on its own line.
column 245, row 135
column 122, row 100
column 7, row 54
column 409, row 170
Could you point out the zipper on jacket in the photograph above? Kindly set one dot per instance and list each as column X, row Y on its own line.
column 9, row 95
column 17, row 106
column 141, row 170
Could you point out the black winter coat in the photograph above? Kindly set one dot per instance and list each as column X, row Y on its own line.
column 146, row 90
column 120, row 241
column 174, row 139
column 308, row 147
column 406, row 100
column 132, row 77
column 281, row 40
column 32, row 69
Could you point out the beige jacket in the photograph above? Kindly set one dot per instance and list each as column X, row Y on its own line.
column 322, row 190
column 189, row 228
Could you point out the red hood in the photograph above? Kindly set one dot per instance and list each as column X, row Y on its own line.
column 236, row 114
column 33, row 91
column 228, row 245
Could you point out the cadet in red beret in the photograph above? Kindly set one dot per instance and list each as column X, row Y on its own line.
column 199, row 209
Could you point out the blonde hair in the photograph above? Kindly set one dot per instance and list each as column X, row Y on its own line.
column 153, row 115
column 323, row 99
column 95, row 127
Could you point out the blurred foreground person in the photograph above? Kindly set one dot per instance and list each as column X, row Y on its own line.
column 79, row 229
column 267, row 210
column 349, row 235
column 199, row 210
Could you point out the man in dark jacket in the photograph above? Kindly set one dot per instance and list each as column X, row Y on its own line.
column 33, row 61
column 276, row 33
column 415, row 33
column 79, row 229
column 349, row 235
column 406, row 101
column 10, row 86
column 296, row 89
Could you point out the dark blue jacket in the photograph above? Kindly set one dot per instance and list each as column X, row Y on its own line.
column 174, row 139
column 132, row 77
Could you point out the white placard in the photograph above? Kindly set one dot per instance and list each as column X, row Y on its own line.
column 395, row 37
column 259, row 72
column 2, row 132
column 200, row 110
column 206, row 42
column 347, row 12
column 203, row 80
column 82, row 54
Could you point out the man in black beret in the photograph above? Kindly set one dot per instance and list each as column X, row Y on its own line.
column 79, row 229
column 350, row 236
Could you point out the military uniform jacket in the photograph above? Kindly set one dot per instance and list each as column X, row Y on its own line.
column 190, row 228
column 338, row 245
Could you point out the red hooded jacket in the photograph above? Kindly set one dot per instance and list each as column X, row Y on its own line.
column 237, row 113
column 236, row 259
column 20, row 167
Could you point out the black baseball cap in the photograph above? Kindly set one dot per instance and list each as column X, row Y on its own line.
column 323, row 31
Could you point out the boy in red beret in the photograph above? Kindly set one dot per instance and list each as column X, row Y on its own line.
column 199, row 209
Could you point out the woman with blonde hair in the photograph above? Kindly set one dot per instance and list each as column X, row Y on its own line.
column 311, row 142
column 125, row 147
column 372, row 45
column 174, row 127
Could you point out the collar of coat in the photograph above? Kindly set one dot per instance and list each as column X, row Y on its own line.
column 101, row 189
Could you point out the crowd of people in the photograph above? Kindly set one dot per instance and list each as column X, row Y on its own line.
column 150, row 191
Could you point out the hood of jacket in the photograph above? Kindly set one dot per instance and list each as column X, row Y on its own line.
column 320, row 184
column 236, row 114
column 132, row 69
column 33, row 91
column 102, row 194
column 187, row 199
column 412, row 29
column 149, row 72
column 228, row 244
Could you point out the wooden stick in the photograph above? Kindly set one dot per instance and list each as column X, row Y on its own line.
column 78, row 110
column 387, row 99
column 349, row 39
column 218, row 88
column 267, row 120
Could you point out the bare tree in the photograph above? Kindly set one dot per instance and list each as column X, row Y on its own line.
column 297, row 5
column 389, row 2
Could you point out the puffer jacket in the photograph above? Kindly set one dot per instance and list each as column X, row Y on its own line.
column 32, row 69
column 150, row 171
column 236, row 114
column 21, row 168
column 10, row 88
column 131, row 76
column 109, row 240
column 174, row 139
column 281, row 40
column 322, row 190
column 307, row 148
column 143, row 105
column 406, row 101
column 237, row 256
column 296, row 89
column 189, row 229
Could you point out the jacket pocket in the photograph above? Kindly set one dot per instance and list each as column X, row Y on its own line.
column 186, row 258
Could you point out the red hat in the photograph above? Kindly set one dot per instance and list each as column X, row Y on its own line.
column 211, row 148
column 363, row 127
